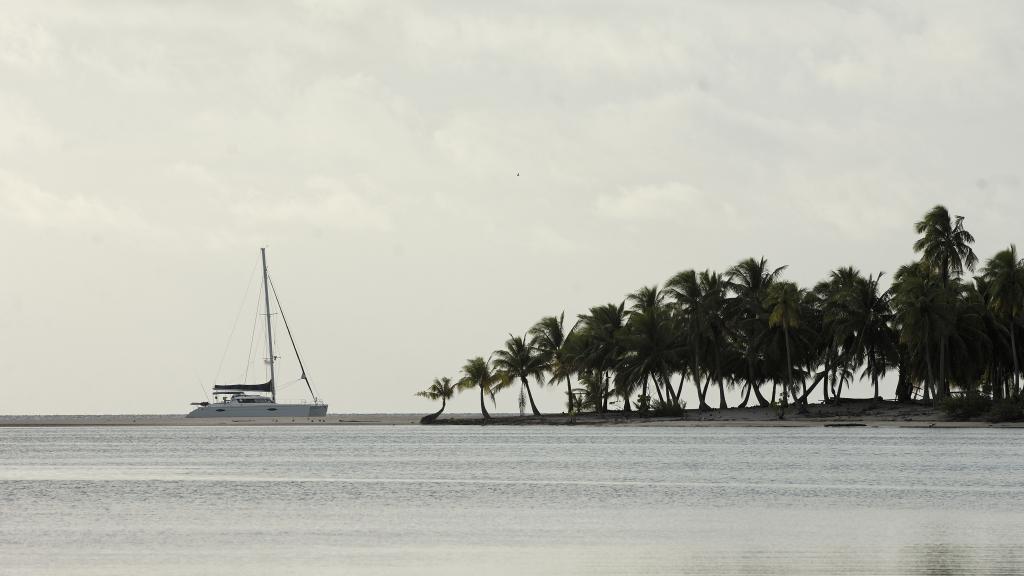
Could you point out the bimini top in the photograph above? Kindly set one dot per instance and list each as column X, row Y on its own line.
column 241, row 388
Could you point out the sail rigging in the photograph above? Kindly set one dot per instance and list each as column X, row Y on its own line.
column 260, row 399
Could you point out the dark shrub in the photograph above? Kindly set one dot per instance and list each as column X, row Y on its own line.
column 1007, row 411
column 666, row 409
column 964, row 407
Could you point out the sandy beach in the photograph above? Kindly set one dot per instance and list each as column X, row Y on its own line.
column 181, row 420
column 852, row 413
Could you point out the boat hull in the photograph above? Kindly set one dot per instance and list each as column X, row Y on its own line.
column 262, row 410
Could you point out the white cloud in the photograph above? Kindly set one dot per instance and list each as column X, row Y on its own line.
column 322, row 202
column 672, row 201
column 25, row 203
column 26, row 46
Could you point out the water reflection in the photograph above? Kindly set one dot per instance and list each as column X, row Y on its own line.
column 412, row 500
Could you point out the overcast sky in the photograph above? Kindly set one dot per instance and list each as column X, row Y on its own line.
column 148, row 149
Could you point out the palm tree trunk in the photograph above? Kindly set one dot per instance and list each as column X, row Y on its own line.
column 746, row 396
column 529, row 394
column 702, row 393
column 789, row 370
column 775, row 386
column 757, row 387
column 837, row 390
column 657, row 388
column 824, row 389
column 696, row 382
column 817, row 380
column 721, row 387
column 943, row 387
column 607, row 381
column 928, row 366
column 429, row 418
column 483, row 407
column 568, row 394
column 701, row 403
column 678, row 391
column 1016, row 369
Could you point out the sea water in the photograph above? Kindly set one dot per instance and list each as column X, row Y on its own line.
column 510, row 500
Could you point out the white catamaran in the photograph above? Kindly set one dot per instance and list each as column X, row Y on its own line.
column 252, row 400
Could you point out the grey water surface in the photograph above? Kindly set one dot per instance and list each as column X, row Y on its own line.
column 510, row 500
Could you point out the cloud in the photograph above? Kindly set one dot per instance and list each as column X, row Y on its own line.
column 673, row 201
column 25, row 203
column 322, row 202
column 26, row 46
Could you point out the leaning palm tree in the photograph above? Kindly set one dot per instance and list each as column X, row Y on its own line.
column 477, row 373
column 520, row 361
column 783, row 304
column 442, row 389
column 548, row 337
column 1004, row 275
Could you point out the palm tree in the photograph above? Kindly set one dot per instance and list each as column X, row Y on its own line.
column 783, row 304
column 651, row 346
column 924, row 315
column 442, row 389
column 749, row 282
column 477, row 373
column 872, row 316
column 946, row 246
column 519, row 360
column 597, row 346
column 548, row 337
column 1004, row 275
column 701, row 301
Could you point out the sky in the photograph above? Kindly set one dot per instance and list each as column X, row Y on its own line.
column 429, row 178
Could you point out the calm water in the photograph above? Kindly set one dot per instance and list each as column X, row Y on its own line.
column 505, row 500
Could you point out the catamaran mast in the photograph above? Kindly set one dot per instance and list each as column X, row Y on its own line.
column 270, row 334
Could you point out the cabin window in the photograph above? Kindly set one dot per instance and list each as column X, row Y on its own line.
column 220, row 409
column 271, row 409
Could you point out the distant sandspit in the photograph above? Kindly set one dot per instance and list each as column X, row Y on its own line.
column 181, row 420
column 851, row 413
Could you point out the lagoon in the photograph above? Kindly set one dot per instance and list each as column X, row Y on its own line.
column 381, row 500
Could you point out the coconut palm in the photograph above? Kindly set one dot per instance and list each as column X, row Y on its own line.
column 783, row 305
column 597, row 346
column 924, row 314
column 1004, row 275
column 946, row 246
column 520, row 361
column 478, row 373
column 749, row 281
column 700, row 300
column 651, row 346
column 871, row 315
column 442, row 389
column 548, row 337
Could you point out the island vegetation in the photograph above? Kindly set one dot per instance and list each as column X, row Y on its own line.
column 946, row 326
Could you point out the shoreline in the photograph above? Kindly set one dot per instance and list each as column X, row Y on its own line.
column 850, row 413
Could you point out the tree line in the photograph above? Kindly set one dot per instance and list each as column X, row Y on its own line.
column 944, row 330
